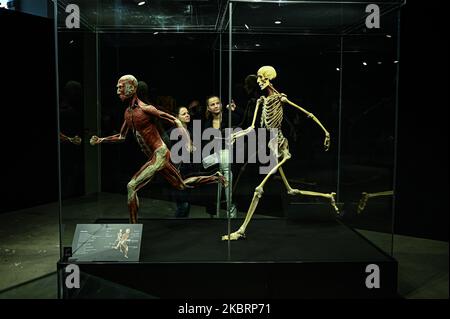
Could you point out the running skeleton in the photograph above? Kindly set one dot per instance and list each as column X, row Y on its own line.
column 271, row 118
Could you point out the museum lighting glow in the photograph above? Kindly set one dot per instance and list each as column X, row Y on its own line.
column 277, row 22
column 141, row 3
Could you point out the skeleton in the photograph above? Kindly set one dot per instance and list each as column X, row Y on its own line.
column 366, row 196
column 271, row 118
column 140, row 118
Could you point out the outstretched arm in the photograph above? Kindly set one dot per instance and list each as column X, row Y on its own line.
column 117, row 138
column 74, row 140
column 239, row 134
column 326, row 143
column 151, row 110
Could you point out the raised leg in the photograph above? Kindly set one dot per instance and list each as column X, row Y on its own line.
column 195, row 181
column 174, row 178
column 365, row 198
column 240, row 233
column 293, row 191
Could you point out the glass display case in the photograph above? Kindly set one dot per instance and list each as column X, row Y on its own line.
column 252, row 142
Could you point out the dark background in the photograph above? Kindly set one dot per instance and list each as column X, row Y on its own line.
column 29, row 154
column 423, row 193
column 28, row 111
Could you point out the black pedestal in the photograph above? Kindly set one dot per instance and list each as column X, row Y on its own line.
column 279, row 259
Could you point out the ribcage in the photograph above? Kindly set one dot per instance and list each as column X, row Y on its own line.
column 272, row 115
column 272, row 112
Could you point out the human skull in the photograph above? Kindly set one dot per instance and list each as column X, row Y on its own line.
column 265, row 74
column 127, row 87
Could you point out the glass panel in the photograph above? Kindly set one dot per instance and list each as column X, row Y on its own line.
column 330, row 63
column 77, row 82
column 198, row 61
column 369, row 119
column 171, row 49
column 304, row 58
